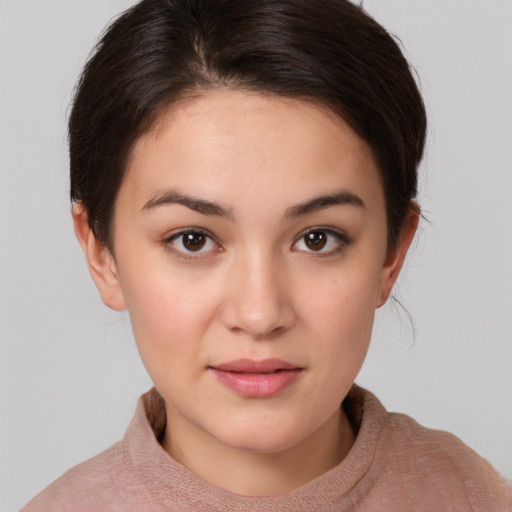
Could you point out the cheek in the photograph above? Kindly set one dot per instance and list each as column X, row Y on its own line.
column 169, row 317
column 345, row 302
column 340, row 315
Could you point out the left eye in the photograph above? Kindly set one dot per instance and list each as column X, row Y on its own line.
column 319, row 240
column 191, row 242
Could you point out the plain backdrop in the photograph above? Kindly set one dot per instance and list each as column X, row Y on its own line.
column 70, row 374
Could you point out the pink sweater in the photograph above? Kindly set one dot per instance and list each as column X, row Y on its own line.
column 395, row 465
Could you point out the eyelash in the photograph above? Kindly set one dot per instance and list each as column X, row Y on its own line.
column 189, row 255
column 342, row 241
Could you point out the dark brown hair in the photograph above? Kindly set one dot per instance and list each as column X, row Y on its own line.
column 159, row 51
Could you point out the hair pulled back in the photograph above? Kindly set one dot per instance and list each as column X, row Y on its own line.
column 160, row 51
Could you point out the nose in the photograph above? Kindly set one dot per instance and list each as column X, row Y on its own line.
column 259, row 299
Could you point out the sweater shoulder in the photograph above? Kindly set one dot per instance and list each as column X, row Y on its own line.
column 439, row 460
column 431, row 445
column 105, row 482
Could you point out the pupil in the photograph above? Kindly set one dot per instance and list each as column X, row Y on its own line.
column 315, row 240
column 194, row 241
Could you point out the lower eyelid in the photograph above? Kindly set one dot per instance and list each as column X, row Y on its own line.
column 342, row 240
column 169, row 244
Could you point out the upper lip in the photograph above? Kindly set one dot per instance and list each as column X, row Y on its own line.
column 251, row 366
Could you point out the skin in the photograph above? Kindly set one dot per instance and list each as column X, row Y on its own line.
column 255, row 290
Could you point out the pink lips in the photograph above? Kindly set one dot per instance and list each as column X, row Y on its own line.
column 256, row 379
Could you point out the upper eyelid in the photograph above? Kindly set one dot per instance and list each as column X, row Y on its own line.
column 343, row 241
column 328, row 229
column 168, row 239
column 167, row 242
column 183, row 231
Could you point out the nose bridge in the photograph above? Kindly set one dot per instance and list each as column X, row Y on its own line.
column 258, row 303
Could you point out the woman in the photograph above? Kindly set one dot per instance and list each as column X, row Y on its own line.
column 243, row 177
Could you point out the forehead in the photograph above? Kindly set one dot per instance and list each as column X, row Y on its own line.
column 235, row 146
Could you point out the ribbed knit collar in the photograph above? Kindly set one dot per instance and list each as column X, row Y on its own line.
column 174, row 487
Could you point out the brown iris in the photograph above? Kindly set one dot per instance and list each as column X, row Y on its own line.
column 315, row 240
column 194, row 241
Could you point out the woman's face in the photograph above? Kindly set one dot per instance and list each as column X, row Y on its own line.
column 250, row 251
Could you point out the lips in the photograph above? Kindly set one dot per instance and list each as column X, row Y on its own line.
column 256, row 379
column 250, row 366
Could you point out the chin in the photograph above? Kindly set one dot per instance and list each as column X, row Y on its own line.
column 259, row 438
column 265, row 445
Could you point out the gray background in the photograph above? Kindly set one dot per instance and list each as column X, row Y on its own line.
column 69, row 370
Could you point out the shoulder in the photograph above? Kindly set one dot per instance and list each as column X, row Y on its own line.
column 437, row 460
column 412, row 467
column 432, row 447
column 105, row 482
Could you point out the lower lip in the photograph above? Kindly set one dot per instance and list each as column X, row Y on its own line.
column 257, row 385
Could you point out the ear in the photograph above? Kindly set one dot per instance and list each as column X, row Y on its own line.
column 101, row 263
column 395, row 258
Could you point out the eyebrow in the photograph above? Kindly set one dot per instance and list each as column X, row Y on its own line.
column 341, row 198
column 205, row 207
column 199, row 205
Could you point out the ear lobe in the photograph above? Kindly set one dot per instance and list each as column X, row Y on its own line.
column 395, row 258
column 100, row 261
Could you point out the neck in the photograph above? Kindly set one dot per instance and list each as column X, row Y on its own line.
column 252, row 473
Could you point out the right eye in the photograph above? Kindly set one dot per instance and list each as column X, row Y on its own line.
column 191, row 242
